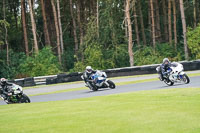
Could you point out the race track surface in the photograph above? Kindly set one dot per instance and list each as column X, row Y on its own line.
column 194, row 82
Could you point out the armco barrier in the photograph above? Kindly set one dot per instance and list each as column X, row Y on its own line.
column 126, row 71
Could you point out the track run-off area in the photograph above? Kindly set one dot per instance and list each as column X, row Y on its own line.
column 75, row 90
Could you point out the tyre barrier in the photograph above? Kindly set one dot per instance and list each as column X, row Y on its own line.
column 76, row 76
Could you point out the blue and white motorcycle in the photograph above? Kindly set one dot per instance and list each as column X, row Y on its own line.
column 175, row 74
column 99, row 80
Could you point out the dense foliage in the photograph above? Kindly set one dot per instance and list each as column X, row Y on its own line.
column 194, row 41
column 43, row 63
column 95, row 32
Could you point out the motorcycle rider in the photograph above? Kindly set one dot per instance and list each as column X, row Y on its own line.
column 4, row 91
column 88, row 72
column 164, row 69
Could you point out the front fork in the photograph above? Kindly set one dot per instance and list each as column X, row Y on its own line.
column 181, row 74
column 107, row 83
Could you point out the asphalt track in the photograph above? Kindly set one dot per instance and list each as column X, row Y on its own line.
column 194, row 82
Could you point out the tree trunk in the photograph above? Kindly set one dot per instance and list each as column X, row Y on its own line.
column 98, row 18
column 136, row 23
column 184, row 29
column 142, row 23
column 24, row 27
column 165, row 20
column 169, row 21
column 130, row 40
column 125, row 21
column 198, row 11
column 33, row 27
column 57, row 30
column 80, row 22
column 74, row 27
column 153, row 24
column 46, row 32
column 158, row 30
column 6, row 33
column 195, row 13
column 149, row 20
column 175, row 31
column 60, row 27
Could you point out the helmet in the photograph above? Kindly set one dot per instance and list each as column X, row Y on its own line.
column 165, row 61
column 89, row 69
column 3, row 80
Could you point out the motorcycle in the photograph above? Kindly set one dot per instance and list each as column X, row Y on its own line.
column 16, row 95
column 99, row 80
column 175, row 74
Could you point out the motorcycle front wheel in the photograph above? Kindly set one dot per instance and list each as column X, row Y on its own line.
column 186, row 79
column 25, row 99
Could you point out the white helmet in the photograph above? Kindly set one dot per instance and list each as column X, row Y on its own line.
column 3, row 80
column 89, row 69
column 165, row 60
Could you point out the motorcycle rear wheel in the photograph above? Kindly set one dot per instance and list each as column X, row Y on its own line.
column 169, row 83
column 92, row 86
column 111, row 84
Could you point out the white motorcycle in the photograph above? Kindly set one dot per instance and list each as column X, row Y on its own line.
column 176, row 74
column 99, row 80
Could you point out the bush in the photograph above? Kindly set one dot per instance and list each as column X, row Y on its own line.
column 15, row 59
column 194, row 41
column 43, row 63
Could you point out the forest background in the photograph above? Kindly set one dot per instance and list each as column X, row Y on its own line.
column 44, row 37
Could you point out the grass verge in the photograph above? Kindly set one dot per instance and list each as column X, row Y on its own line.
column 155, row 111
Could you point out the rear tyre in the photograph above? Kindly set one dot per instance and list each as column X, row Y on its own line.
column 168, row 82
column 25, row 99
column 111, row 84
column 92, row 86
column 186, row 79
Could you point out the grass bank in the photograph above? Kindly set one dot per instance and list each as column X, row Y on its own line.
column 156, row 111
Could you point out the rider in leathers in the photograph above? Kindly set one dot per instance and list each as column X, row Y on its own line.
column 165, row 69
column 4, row 91
column 88, row 72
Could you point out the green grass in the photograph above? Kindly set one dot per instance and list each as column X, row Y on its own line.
column 156, row 111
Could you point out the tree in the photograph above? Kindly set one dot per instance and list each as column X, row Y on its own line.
column 165, row 20
column 74, row 27
column 175, row 31
column 60, row 27
column 136, row 23
column 46, row 32
column 6, row 32
column 130, row 40
column 98, row 18
column 57, row 30
column 153, row 24
column 142, row 23
column 195, row 13
column 184, row 29
column 169, row 21
column 33, row 27
column 24, row 27
column 158, row 30
column 79, row 21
